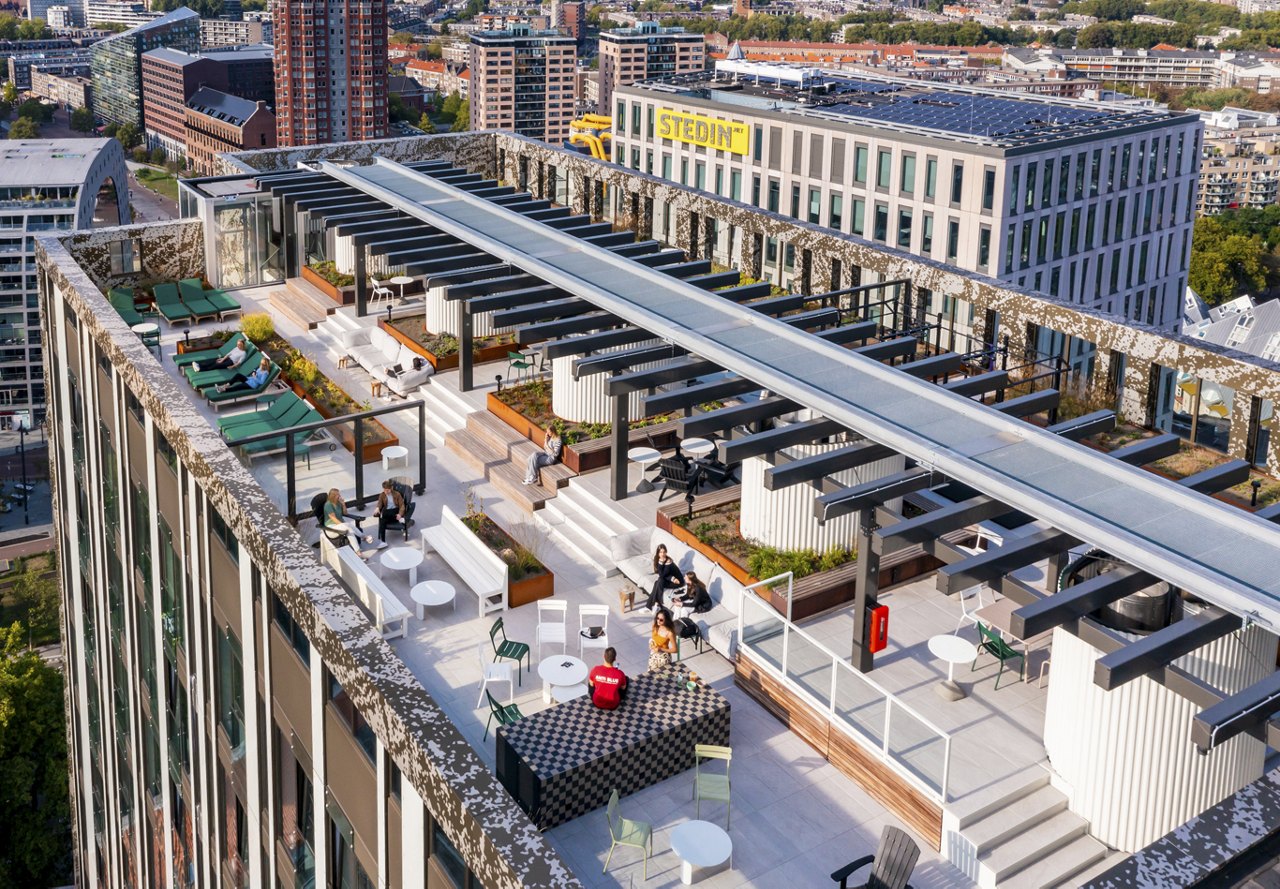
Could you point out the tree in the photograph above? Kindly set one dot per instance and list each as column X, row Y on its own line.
column 397, row 109
column 128, row 135
column 158, row 156
column 36, row 110
column 36, row 590
column 450, row 106
column 35, row 820
column 82, row 121
column 24, row 128
column 5, row 109
column 9, row 92
column 426, row 124
column 401, row 38
column 462, row 122
column 1224, row 263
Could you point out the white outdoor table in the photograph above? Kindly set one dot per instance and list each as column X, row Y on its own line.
column 564, row 693
column 697, row 447
column 402, row 281
column 430, row 593
column 953, row 650
column 403, row 558
column 559, row 671
column 699, row 844
column 645, row 457
column 394, row 457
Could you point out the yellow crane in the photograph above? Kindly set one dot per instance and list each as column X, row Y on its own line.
column 592, row 131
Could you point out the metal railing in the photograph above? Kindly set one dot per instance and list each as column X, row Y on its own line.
column 876, row 719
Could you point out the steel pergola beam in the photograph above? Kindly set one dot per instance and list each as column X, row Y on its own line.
column 980, row 384
column 746, row 292
column 544, row 310
column 1015, row 553
column 498, row 284
column 819, row 466
column 637, row 248
column 1148, row 450
column 713, row 280
column 848, row 334
column 1163, row 647
column 613, row 361
column 594, row 342
column 677, row 371
column 1082, row 427
column 1218, row 478
column 889, row 349
column 549, row 330
column 726, row 418
column 691, row 396
column 855, row 499
column 1031, row 403
column 933, row 366
column 447, row 264
column 612, row 239
column 1246, row 711
column 773, row 440
column 931, row 526
column 511, row 299
column 661, row 257
column 1076, row 601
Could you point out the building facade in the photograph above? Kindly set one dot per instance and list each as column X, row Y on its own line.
column 250, row 71
column 523, row 81
column 63, row 61
column 68, row 90
column 60, row 17
column 117, row 63
column 1098, row 215
column 45, row 186
column 644, row 53
column 169, row 78
column 120, row 12
column 1237, row 173
column 215, row 33
column 217, row 122
column 331, row 71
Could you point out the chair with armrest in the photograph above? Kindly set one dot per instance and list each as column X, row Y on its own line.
column 406, row 492
column 674, row 474
column 891, row 866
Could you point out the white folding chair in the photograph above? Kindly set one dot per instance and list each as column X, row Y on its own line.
column 381, row 294
column 491, row 672
column 970, row 602
column 592, row 616
column 553, row 615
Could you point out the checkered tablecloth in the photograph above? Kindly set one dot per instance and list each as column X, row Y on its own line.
column 563, row 762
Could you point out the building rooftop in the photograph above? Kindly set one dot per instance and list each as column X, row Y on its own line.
column 48, row 161
column 181, row 14
column 222, row 106
column 961, row 113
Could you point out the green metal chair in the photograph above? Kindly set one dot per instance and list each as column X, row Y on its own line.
column 508, row 649
column 519, row 362
column 625, row 832
column 989, row 641
column 505, row 713
column 711, row 785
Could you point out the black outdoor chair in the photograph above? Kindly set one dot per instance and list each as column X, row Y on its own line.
column 891, row 866
column 720, row 473
column 336, row 537
column 406, row 491
column 674, row 474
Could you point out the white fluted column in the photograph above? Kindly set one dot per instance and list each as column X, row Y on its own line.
column 584, row 400
column 1126, row 755
column 442, row 316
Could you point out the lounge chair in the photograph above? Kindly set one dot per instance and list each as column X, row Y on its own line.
column 204, row 379
column 193, row 298
column 123, row 304
column 295, row 414
column 224, row 304
column 169, row 303
column 186, row 359
column 277, row 407
column 216, row 398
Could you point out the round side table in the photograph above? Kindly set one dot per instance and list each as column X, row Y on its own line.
column 700, row 844
column 953, row 650
column 646, row 457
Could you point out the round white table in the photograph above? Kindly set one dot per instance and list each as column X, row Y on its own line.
column 394, row 457
column 401, row 281
column 699, row 844
column 560, row 671
column 148, row 332
column 697, row 447
column 953, row 650
column 564, row 693
column 403, row 558
column 430, row 593
column 645, row 457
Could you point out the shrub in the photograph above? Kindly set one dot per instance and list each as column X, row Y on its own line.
column 834, row 557
column 258, row 327
column 304, row 371
column 768, row 561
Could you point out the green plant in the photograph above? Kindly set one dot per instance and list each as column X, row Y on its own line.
column 768, row 561
column 258, row 327
column 704, row 531
column 441, row 344
column 305, row 372
column 329, row 271
column 835, row 556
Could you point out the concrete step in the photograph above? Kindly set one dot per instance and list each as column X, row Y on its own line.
column 502, row 467
column 1014, row 817
column 559, row 524
column 1059, row 865
column 1027, row 847
column 503, row 439
column 586, row 524
column 602, row 513
column 446, row 410
column 302, row 304
column 1085, row 877
column 976, row 806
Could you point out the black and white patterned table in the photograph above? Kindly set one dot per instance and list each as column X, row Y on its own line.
column 563, row 762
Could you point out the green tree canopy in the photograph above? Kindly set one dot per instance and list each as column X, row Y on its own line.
column 82, row 120
column 462, row 122
column 35, row 587
column 426, row 124
column 208, row 9
column 1225, row 262
column 9, row 92
column 450, row 105
column 128, row 135
column 36, row 110
column 24, row 128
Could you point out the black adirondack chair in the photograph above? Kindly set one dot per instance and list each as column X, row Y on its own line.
column 891, row 866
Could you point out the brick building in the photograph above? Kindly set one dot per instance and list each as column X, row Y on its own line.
column 218, row 122
column 169, row 79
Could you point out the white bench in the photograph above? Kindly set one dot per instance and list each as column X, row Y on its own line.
column 477, row 565
column 390, row 615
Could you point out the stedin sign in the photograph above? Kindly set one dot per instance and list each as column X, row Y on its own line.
column 722, row 135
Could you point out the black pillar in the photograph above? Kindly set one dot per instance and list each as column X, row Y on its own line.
column 362, row 282
column 466, row 360
column 618, row 436
column 865, row 593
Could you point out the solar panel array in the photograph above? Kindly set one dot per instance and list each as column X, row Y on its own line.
column 975, row 115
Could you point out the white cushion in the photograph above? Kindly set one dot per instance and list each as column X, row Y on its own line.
column 385, row 343
column 723, row 636
column 405, row 356
column 353, row 338
column 628, row 545
column 638, row 570
column 410, row 379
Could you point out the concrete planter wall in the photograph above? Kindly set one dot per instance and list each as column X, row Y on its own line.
column 343, row 296
column 1126, row 755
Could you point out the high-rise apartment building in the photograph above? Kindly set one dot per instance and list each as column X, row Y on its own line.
column 117, row 63
column 644, row 52
column 567, row 16
column 46, row 185
column 232, row 32
column 523, row 81
column 331, row 70
column 119, row 12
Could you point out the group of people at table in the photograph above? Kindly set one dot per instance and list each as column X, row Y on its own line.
column 389, row 508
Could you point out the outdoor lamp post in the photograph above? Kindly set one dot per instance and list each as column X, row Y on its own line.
column 1253, row 498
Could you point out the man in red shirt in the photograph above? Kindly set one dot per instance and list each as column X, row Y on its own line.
column 607, row 682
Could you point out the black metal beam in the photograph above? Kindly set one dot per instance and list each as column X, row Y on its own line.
column 772, row 440
column 1218, row 478
column 432, row 248
column 819, row 466
column 932, row 525
column 384, row 231
column 361, row 221
column 1164, row 646
column 466, row 276
column 404, row 244
column 980, row 384
column 447, row 264
column 746, row 292
column 676, row 372
column 638, row 248
column 1270, row 513
column 662, row 257
column 777, row 305
column 612, row 361
column 889, row 349
column 567, row 222
column 1031, row 403
column 1015, row 553
column 1148, row 450
column 594, row 342
column 1245, row 711
column 550, row 213
column 691, row 396
column 524, row 206
column 590, row 230
column 851, row 500
column 714, row 280
column 685, row 268
column 550, row 330
column 512, row 298
column 1082, row 427
column 726, row 418
column 542, row 311
column 933, row 366
column 612, row 239
column 1076, row 601
column 847, row 334
column 495, row 284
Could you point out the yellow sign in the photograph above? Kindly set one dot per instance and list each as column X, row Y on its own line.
column 724, row 135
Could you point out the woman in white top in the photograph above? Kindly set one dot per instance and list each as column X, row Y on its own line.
column 231, row 359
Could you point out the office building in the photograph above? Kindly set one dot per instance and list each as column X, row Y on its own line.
column 1090, row 205
column 46, row 185
column 645, row 52
column 215, row 33
column 523, row 81
column 217, row 123
column 169, row 78
column 267, row 713
column 60, row 18
column 39, row 9
column 250, row 70
column 68, row 90
column 67, row 61
column 117, row 63
column 331, row 71
column 120, row 12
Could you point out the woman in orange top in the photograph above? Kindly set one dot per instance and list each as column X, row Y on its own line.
column 662, row 642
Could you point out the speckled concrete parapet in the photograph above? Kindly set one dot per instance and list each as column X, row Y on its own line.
column 1249, row 819
column 496, row 839
column 471, row 150
column 167, row 251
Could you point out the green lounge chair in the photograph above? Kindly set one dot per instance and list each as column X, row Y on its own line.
column 169, row 303
column 276, row 407
column 294, row 415
column 193, row 298
column 276, row 445
column 186, row 359
column 203, row 379
column 224, row 304
column 124, row 307
column 214, row 397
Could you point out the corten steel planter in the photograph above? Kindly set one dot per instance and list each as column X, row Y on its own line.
column 343, row 296
column 444, row 362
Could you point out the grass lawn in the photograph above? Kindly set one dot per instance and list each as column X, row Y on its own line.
column 159, row 181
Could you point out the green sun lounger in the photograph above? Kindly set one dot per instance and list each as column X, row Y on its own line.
column 123, row 304
column 203, row 379
column 291, row 416
column 224, row 304
column 193, row 298
column 169, row 303
column 214, row 397
column 275, row 407
column 186, row 359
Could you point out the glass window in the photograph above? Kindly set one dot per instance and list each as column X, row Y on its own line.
column 907, row 178
column 860, row 165
column 884, row 166
column 290, row 629
column 859, row 214
column 1046, row 186
column 988, row 188
column 957, row 181
column 984, row 246
column 926, row 234
column 930, row 177
column 881, row 224
column 346, row 710
column 953, row 239
column 815, row 206
column 231, row 691
column 836, row 217
column 775, row 191
column 757, row 143
column 1030, row 197
column 735, row 185
column 904, row 229
column 218, row 528
column 795, row 202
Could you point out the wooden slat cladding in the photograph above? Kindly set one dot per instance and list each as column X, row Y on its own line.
column 917, row 811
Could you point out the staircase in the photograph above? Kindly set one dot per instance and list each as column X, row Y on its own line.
column 335, row 325
column 500, row 455
column 302, row 304
column 447, row 410
column 585, row 523
column 1021, row 836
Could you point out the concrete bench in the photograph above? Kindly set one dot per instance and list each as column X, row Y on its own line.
column 477, row 565
column 389, row 614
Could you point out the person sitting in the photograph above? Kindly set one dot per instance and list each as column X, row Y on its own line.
column 250, row 383
column 549, row 454
column 335, row 516
column 607, row 683
column 694, row 597
column 669, row 578
column 390, row 509
column 662, row 642
column 231, row 359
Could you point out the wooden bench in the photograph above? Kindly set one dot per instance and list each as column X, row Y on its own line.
column 477, row 565
column 389, row 614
